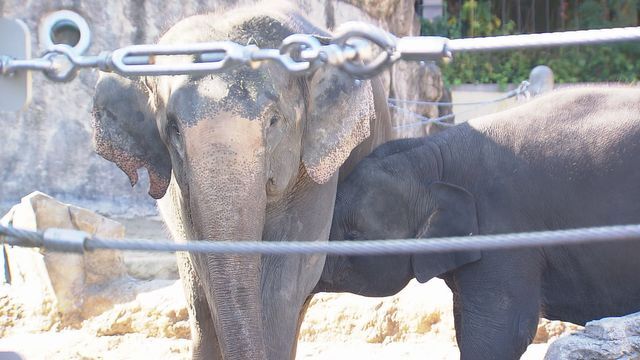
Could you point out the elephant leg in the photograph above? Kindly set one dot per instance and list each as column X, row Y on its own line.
column 203, row 335
column 287, row 284
column 499, row 308
column 303, row 311
column 457, row 311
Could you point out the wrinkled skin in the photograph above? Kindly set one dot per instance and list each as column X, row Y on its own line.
column 566, row 160
column 242, row 155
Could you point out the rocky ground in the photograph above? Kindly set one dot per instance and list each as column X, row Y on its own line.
column 416, row 323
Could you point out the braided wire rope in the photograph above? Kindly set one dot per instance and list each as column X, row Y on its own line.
column 604, row 234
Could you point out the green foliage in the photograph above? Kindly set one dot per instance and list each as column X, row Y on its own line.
column 614, row 63
column 617, row 63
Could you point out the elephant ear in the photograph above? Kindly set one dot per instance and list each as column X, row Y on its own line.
column 453, row 214
column 125, row 132
column 339, row 115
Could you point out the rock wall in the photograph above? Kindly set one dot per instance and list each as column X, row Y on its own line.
column 48, row 146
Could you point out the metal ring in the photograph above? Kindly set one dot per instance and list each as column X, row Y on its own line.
column 65, row 18
column 368, row 70
column 309, row 47
column 369, row 32
column 381, row 38
column 56, row 74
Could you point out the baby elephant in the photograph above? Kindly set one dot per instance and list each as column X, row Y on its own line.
column 566, row 160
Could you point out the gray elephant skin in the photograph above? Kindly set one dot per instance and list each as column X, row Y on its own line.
column 566, row 160
column 242, row 155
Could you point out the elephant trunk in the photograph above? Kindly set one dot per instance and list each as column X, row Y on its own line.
column 228, row 202
column 236, row 298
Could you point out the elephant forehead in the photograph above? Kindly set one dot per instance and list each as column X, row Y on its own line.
column 232, row 138
column 208, row 97
column 213, row 90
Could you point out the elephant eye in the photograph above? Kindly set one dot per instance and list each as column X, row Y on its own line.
column 173, row 125
column 352, row 235
column 274, row 120
column 175, row 128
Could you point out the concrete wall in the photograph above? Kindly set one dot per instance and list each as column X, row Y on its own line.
column 48, row 146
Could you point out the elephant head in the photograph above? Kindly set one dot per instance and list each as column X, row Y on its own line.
column 229, row 154
column 390, row 197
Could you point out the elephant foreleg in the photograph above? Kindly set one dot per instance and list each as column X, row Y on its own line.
column 287, row 284
column 457, row 311
column 203, row 336
column 499, row 310
column 303, row 311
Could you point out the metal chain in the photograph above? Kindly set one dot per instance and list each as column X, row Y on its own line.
column 359, row 49
column 77, row 241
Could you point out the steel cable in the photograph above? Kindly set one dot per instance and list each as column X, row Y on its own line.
column 566, row 38
column 18, row 237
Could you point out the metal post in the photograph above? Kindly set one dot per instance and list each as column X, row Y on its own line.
column 576, row 14
column 533, row 16
column 562, row 14
column 547, row 15
column 504, row 12
column 519, row 10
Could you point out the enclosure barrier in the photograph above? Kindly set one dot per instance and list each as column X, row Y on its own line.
column 521, row 90
column 77, row 241
column 361, row 50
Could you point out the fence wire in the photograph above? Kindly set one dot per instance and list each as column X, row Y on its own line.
column 521, row 90
column 77, row 241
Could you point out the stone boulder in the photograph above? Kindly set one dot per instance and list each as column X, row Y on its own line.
column 605, row 339
column 62, row 289
column 147, row 265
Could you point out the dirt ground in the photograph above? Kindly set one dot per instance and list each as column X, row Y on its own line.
column 415, row 324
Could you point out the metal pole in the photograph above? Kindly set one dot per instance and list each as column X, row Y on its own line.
column 547, row 15
column 519, row 10
column 576, row 14
column 562, row 14
column 512, row 42
column 504, row 12
column 533, row 16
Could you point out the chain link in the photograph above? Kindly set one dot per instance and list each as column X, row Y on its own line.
column 359, row 49
column 366, row 65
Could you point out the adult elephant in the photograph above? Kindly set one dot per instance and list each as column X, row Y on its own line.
column 242, row 155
